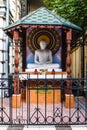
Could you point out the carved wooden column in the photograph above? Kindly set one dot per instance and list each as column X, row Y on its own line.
column 16, row 62
column 69, row 98
column 68, row 60
column 16, row 98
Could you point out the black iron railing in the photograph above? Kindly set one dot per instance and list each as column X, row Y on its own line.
column 43, row 102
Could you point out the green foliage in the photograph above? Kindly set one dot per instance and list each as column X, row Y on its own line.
column 73, row 10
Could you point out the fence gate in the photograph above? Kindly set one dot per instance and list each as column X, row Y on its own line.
column 43, row 102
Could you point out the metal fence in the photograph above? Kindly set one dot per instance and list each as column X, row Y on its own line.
column 43, row 102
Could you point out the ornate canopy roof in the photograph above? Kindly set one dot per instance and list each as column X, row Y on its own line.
column 43, row 16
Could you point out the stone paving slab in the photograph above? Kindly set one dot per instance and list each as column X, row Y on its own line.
column 79, row 127
column 3, row 127
column 15, row 127
column 64, row 128
column 40, row 128
column 43, row 127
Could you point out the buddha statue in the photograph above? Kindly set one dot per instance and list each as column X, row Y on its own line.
column 43, row 55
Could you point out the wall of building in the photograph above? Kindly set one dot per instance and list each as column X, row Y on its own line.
column 35, row 4
column 9, row 12
column 2, row 38
column 24, row 8
column 15, row 9
column 79, row 57
column 76, row 62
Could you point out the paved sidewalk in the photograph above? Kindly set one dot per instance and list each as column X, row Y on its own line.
column 3, row 127
column 64, row 128
column 79, row 127
column 40, row 128
column 43, row 128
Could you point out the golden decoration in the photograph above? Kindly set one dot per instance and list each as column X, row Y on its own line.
column 43, row 37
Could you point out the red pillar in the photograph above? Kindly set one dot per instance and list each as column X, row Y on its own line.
column 69, row 97
column 68, row 61
column 16, row 62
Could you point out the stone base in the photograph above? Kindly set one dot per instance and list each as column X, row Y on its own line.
column 16, row 100
column 69, row 101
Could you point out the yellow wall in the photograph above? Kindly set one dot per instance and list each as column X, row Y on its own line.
column 76, row 62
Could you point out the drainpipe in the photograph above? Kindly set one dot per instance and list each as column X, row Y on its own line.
column 7, row 38
column 7, row 12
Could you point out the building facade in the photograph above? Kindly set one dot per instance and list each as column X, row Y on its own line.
column 3, row 59
column 34, row 5
column 9, row 12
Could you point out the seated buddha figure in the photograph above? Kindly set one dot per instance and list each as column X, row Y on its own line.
column 43, row 55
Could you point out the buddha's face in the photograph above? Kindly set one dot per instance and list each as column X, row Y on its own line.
column 42, row 45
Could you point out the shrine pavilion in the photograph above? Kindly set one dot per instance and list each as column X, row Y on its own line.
column 59, row 35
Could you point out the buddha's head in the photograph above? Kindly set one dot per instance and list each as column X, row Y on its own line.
column 43, row 44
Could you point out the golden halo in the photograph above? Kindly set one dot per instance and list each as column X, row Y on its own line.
column 43, row 37
column 50, row 35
